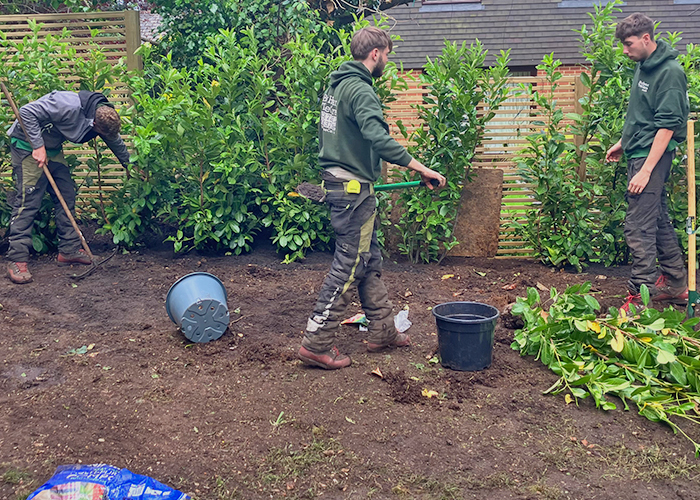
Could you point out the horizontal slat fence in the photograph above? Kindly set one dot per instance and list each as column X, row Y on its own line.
column 505, row 138
column 118, row 36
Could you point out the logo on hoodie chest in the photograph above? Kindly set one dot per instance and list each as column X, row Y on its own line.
column 329, row 114
column 643, row 86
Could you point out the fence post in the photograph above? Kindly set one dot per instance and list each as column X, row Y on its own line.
column 580, row 92
column 132, row 22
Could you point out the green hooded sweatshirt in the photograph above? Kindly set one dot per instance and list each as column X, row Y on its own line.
column 658, row 99
column 352, row 130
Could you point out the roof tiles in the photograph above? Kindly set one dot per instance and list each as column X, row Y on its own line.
column 530, row 29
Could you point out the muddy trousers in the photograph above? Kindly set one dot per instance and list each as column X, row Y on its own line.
column 648, row 230
column 31, row 184
column 357, row 263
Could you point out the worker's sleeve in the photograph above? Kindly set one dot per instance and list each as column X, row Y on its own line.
column 368, row 115
column 40, row 113
column 671, row 110
column 118, row 148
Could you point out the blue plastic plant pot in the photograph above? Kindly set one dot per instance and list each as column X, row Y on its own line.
column 197, row 304
column 465, row 334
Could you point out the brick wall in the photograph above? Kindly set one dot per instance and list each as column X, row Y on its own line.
column 566, row 70
column 401, row 109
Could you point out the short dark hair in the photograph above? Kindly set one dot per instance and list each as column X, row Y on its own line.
column 635, row 25
column 107, row 121
column 368, row 39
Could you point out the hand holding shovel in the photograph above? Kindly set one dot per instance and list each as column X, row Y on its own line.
column 314, row 192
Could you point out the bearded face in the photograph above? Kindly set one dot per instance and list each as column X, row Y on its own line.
column 381, row 63
column 379, row 69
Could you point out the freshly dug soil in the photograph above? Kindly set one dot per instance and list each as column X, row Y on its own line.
column 94, row 371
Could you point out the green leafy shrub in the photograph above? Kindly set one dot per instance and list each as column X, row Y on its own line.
column 454, row 126
column 604, row 106
column 558, row 225
column 187, row 25
column 195, row 156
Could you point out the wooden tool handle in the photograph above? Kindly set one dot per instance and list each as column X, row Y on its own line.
column 692, row 250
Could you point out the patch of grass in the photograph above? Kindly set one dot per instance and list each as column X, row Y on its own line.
column 285, row 464
column 14, row 476
column 567, row 457
column 647, row 463
column 411, row 486
column 544, row 491
column 497, row 480
column 222, row 491
column 18, row 478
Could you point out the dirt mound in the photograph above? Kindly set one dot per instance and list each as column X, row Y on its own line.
column 402, row 389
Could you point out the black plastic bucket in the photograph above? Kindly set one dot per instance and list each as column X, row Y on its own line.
column 465, row 334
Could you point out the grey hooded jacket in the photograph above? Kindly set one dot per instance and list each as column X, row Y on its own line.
column 58, row 117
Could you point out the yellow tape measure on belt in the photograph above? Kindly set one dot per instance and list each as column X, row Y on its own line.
column 353, row 187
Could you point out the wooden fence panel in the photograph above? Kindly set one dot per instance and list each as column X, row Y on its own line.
column 118, row 35
column 505, row 138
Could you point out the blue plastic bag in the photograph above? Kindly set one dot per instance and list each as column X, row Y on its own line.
column 103, row 482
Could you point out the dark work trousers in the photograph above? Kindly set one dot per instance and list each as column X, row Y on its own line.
column 357, row 263
column 648, row 230
column 31, row 184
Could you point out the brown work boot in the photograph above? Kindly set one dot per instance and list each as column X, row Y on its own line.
column 401, row 340
column 18, row 273
column 666, row 293
column 79, row 257
column 330, row 360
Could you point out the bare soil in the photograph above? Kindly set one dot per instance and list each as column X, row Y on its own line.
column 94, row 371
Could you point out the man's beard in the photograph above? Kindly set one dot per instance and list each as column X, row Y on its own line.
column 379, row 68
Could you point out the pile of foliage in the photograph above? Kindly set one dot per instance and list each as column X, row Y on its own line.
column 649, row 358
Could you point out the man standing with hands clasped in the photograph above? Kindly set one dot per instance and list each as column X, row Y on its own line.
column 354, row 138
column 654, row 126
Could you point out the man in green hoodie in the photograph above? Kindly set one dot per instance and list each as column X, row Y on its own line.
column 354, row 138
column 654, row 126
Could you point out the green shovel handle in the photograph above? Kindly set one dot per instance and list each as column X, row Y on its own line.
column 402, row 185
